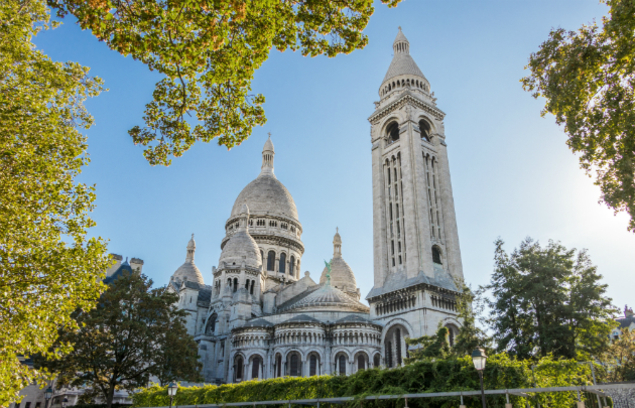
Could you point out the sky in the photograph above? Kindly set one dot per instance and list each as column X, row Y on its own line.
column 512, row 173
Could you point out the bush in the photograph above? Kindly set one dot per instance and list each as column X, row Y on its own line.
column 422, row 377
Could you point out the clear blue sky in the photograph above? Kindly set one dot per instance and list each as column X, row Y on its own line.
column 512, row 173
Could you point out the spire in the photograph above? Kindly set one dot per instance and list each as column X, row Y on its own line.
column 243, row 218
column 191, row 248
column 401, row 44
column 402, row 64
column 267, row 158
column 337, row 244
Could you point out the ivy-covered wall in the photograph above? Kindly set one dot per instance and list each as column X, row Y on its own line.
column 441, row 376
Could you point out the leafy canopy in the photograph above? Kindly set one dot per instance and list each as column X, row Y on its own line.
column 208, row 52
column 548, row 301
column 618, row 362
column 48, row 268
column 587, row 78
column 133, row 334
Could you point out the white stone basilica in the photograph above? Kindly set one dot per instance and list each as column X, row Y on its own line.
column 262, row 318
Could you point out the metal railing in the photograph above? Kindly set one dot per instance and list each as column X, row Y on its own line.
column 521, row 392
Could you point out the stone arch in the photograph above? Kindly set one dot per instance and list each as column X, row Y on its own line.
column 361, row 361
column 437, row 255
column 210, row 326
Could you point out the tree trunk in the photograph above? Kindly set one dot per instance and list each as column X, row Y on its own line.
column 110, row 395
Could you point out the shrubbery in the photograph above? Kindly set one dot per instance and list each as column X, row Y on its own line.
column 456, row 374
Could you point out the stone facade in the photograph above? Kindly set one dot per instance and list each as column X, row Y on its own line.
column 260, row 319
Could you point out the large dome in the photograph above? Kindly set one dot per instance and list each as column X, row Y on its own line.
column 266, row 195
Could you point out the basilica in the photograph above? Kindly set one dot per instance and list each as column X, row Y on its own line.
column 258, row 316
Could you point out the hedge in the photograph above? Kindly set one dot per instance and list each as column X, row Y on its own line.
column 501, row 372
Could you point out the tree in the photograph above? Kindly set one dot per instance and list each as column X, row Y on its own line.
column 48, row 268
column 129, row 337
column 587, row 78
column 208, row 52
column 469, row 337
column 619, row 360
column 548, row 301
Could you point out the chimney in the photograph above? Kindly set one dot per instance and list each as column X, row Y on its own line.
column 136, row 264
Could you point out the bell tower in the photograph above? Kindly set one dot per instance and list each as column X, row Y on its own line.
column 416, row 246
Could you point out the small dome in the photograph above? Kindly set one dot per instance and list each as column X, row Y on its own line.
column 241, row 247
column 188, row 271
column 342, row 276
column 266, row 195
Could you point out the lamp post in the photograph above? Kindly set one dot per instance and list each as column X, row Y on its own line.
column 47, row 396
column 64, row 402
column 172, row 391
column 479, row 358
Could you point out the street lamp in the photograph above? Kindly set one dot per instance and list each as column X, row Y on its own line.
column 64, row 402
column 479, row 358
column 172, row 391
column 47, row 396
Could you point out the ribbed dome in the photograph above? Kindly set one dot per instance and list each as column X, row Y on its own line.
column 266, row 195
column 329, row 297
column 241, row 247
column 342, row 276
column 189, row 272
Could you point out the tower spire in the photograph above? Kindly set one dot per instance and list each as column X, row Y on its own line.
column 337, row 244
column 267, row 158
column 191, row 248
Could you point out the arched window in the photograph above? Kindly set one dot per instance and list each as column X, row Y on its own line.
column 376, row 361
column 251, row 291
column 342, row 364
column 361, row 362
column 278, row 368
column 211, row 325
column 282, row 263
column 294, row 365
column 239, row 368
column 292, row 266
column 393, row 132
column 271, row 261
column 424, row 128
column 313, row 362
column 235, row 284
column 436, row 255
column 255, row 367
column 450, row 336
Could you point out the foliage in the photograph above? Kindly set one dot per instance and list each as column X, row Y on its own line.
column 548, row 301
column 618, row 362
column 48, row 268
column 468, row 338
column 126, row 339
column 115, row 405
column 208, row 52
column 587, row 78
column 455, row 374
